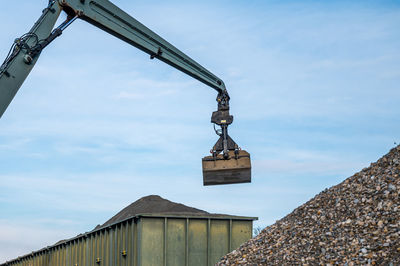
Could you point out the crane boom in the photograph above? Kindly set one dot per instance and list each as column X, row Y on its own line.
column 108, row 17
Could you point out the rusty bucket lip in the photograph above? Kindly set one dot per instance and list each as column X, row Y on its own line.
column 224, row 183
column 242, row 154
column 211, row 158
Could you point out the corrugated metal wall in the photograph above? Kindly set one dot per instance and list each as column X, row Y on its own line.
column 148, row 240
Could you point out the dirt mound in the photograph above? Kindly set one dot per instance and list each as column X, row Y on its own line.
column 152, row 204
column 356, row 222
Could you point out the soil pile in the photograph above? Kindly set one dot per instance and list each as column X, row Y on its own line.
column 152, row 204
column 356, row 222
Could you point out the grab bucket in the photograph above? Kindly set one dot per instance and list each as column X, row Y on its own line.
column 220, row 171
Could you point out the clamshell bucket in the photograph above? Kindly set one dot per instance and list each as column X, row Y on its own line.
column 220, row 171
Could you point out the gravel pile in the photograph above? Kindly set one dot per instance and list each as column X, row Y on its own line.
column 151, row 204
column 354, row 223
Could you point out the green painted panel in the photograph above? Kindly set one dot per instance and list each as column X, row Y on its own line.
column 176, row 241
column 105, row 247
column 57, row 251
column 241, row 232
column 123, row 245
column 83, row 252
column 197, row 242
column 219, row 240
column 95, row 253
column 52, row 258
column 76, row 253
column 114, row 248
column 130, row 244
column 65, row 256
column 118, row 242
column 92, row 257
column 152, row 242
column 101, row 244
column 79, row 253
column 57, row 255
column 97, row 248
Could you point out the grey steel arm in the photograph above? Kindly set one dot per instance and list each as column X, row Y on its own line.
column 102, row 14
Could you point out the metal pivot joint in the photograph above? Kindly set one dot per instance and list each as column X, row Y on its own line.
column 222, row 118
column 32, row 45
column 37, row 49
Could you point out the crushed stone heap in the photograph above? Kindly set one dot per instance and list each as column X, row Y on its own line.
column 151, row 204
column 354, row 223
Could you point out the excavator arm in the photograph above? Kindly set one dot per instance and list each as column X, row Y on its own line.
column 108, row 17
column 19, row 62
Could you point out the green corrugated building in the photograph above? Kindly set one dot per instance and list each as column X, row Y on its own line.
column 150, row 231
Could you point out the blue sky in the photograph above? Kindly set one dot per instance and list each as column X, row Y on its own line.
column 314, row 91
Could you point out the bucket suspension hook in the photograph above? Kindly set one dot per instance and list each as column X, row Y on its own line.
column 222, row 118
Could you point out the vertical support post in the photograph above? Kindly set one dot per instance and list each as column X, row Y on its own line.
column 68, row 252
column 230, row 235
column 115, row 255
column 87, row 250
column 135, row 244
column 208, row 241
column 125, row 258
column 165, row 240
column 139, row 245
column 111, row 244
column 187, row 243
